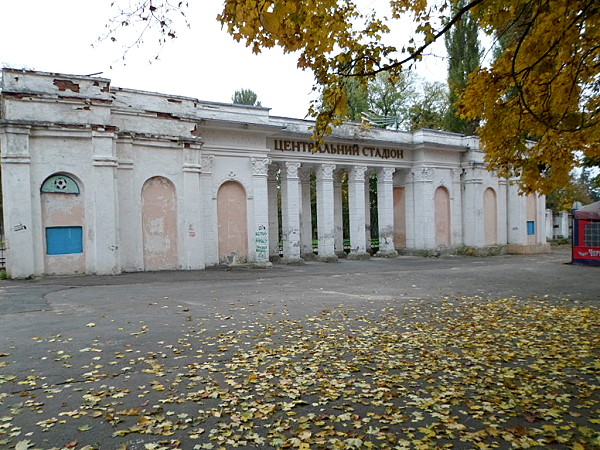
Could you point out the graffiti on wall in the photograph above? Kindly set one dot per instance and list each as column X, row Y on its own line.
column 262, row 243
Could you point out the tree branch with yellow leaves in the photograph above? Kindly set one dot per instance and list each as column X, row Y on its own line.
column 538, row 102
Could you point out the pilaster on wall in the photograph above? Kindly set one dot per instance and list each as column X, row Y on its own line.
column 517, row 214
column 456, row 207
column 541, row 219
column 385, row 211
column 290, row 212
column 103, row 249
column 549, row 225
column 423, row 217
column 193, row 244
column 131, row 242
column 209, row 212
column 473, row 233
column 273, row 171
column 502, row 211
column 260, row 167
column 326, row 212
column 21, row 229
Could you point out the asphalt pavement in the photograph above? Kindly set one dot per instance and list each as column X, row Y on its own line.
column 49, row 326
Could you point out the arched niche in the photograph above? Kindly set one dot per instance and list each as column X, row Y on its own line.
column 232, row 223
column 490, row 217
column 159, row 224
column 442, row 216
column 63, row 224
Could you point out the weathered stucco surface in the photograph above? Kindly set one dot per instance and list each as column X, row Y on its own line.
column 159, row 224
column 178, row 183
column 63, row 210
column 232, row 220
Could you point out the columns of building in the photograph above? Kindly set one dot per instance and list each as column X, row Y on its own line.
column 541, row 219
column 356, row 204
column 502, row 211
column 473, row 232
column 103, row 258
column 191, row 235
column 367, row 193
column 422, row 223
column 273, row 212
column 130, row 239
column 290, row 213
column 338, row 214
column 20, row 231
column 456, row 207
column 306, row 232
column 326, row 213
column 385, row 211
column 517, row 218
column 260, row 167
column 210, row 226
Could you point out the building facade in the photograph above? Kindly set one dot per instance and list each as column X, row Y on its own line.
column 99, row 179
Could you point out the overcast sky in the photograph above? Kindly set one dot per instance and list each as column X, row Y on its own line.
column 203, row 62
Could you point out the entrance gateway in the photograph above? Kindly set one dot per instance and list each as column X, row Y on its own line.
column 97, row 179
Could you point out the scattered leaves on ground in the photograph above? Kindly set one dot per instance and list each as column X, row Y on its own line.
column 456, row 373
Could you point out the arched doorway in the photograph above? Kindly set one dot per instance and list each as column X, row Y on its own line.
column 490, row 217
column 442, row 216
column 63, row 221
column 233, row 223
column 159, row 224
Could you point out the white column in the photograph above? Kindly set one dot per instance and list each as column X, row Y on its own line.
column 356, row 203
column 473, row 233
column 290, row 213
column 103, row 247
column 407, row 178
column 338, row 243
column 18, row 220
column 563, row 225
column 517, row 215
column 385, row 211
column 423, row 216
column 325, row 213
column 130, row 210
column 210, row 230
column 191, row 220
column 549, row 225
column 260, row 167
column 368, row 211
column 273, row 213
column 456, row 207
column 306, row 234
column 541, row 218
column 502, row 213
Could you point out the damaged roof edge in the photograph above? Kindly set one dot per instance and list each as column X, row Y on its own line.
column 56, row 74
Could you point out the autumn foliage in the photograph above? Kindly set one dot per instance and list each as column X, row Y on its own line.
column 538, row 101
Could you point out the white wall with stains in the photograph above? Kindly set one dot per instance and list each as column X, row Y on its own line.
column 112, row 141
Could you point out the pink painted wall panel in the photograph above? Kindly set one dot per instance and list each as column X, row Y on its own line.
column 490, row 217
column 442, row 216
column 399, row 217
column 159, row 224
column 232, row 220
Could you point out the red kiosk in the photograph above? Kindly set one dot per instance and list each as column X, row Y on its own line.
column 586, row 235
